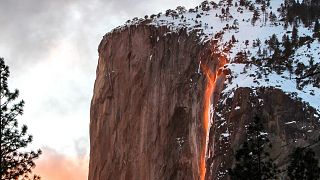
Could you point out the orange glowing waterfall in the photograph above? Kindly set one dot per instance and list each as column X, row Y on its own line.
column 210, row 88
column 211, row 78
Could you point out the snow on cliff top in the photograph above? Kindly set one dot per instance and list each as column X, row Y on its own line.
column 243, row 77
column 221, row 21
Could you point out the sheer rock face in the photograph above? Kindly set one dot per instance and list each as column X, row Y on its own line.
column 147, row 110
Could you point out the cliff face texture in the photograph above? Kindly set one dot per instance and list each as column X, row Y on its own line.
column 147, row 106
column 289, row 124
column 147, row 110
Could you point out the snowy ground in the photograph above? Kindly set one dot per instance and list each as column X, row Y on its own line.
column 238, row 23
column 241, row 79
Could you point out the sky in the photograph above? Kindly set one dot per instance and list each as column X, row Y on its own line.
column 51, row 49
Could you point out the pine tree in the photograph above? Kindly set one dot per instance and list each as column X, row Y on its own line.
column 273, row 42
column 294, row 36
column 255, row 16
column 14, row 162
column 242, row 2
column 273, row 18
column 254, row 44
column 241, row 57
column 316, row 30
column 311, row 62
column 316, row 26
column 258, row 42
column 233, row 39
column 252, row 159
column 223, row 11
column 303, row 165
column 259, row 52
column 287, row 46
column 246, row 43
column 276, row 60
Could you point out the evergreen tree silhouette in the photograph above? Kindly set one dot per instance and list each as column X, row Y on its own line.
column 252, row 159
column 303, row 165
column 316, row 30
column 294, row 36
column 15, row 163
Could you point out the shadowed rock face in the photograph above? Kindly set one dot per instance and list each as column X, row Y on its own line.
column 147, row 110
column 288, row 122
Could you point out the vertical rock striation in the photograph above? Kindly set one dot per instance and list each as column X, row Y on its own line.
column 146, row 111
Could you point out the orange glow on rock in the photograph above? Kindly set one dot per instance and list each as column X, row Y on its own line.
column 211, row 77
column 210, row 88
